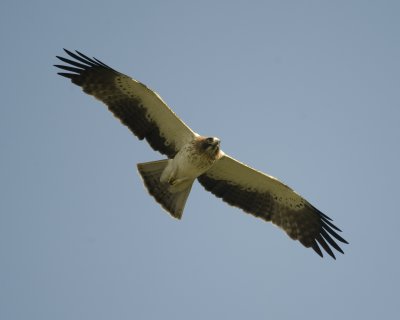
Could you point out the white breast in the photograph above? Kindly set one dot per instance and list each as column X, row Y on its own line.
column 189, row 163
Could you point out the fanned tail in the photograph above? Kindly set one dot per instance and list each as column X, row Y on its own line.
column 173, row 202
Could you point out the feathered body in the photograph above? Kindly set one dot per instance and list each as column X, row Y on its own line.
column 195, row 158
column 170, row 181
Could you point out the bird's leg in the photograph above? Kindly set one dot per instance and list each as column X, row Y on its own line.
column 169, row 173
column 172, row 181
column 171, row 178
column 177, row 185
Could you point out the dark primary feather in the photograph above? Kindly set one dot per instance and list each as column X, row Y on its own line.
column 308, row 225
column 98, row 79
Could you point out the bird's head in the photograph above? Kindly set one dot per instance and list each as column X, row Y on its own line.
column 211, row 145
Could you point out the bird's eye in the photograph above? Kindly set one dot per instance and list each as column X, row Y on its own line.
column 210, row 140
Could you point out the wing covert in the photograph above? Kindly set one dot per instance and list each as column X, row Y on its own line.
column 139, row 108
column 269, row 199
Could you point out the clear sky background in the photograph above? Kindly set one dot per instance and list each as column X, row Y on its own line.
column 307, row 91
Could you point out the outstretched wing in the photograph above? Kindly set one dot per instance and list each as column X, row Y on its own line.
column 266, row 197
column 138, row 107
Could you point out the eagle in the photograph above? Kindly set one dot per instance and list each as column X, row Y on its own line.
column 191, row 156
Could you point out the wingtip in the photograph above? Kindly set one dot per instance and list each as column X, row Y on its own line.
column 66, row 75
column 317, row 249
column 67, row 51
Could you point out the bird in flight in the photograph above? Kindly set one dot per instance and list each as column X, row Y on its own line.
column 191, row 156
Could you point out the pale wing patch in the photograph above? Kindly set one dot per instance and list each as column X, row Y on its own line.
column 136, row 106
column 249, row 179
column 173, row 129
column 269, row 199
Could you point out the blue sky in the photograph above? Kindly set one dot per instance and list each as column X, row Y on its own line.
column 307, row 91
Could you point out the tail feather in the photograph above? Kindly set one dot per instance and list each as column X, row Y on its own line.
column 173, row 202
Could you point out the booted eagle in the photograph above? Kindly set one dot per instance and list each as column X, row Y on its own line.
column 192, row 156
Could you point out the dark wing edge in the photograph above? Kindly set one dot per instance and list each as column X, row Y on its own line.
column 308, row 225
column 129, row 106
